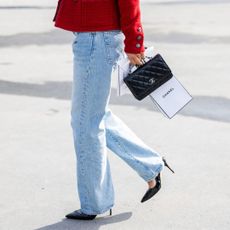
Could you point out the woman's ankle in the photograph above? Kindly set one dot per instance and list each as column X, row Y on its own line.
column 151, row 183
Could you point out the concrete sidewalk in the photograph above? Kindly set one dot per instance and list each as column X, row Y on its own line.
column 37, row 166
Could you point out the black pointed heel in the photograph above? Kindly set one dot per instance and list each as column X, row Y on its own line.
column 152, row 191
column 110, row 212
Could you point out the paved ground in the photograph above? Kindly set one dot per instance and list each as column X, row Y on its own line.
column 37, row 170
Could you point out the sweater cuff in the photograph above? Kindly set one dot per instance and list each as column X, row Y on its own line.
column 134, row 42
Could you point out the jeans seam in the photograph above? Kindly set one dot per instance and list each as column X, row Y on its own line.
column 84, row 102
column 106, row 43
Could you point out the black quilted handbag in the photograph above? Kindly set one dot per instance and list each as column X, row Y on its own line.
column 148, row 77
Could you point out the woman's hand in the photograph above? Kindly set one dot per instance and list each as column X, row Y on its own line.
column 135, row 59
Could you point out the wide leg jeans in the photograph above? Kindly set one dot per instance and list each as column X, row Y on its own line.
column 95, row 127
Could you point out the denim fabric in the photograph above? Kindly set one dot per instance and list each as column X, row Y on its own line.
column 96, row 128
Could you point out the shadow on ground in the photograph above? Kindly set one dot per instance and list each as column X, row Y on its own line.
column 206, row 107
column 87, row 225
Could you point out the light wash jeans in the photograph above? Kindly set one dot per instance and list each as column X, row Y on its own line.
column 95, row 127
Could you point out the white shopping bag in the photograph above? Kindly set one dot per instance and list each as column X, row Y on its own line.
column 170, row 97
column 122, row 72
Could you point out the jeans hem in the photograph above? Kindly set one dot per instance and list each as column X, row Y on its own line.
column 90, row 212
column 156, row 172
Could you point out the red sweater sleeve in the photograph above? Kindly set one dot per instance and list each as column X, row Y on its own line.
column 130, row 18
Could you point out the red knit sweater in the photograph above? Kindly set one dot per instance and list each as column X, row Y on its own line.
column 101, row 15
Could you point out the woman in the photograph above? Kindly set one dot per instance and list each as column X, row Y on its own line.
column 104, row 30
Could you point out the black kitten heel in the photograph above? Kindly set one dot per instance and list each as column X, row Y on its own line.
column 152, row 191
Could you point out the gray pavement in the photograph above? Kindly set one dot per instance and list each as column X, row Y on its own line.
column 37, row 163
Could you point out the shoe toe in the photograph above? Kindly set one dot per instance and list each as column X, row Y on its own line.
column 73, row 214
column 77, row 214
column 151, row 192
